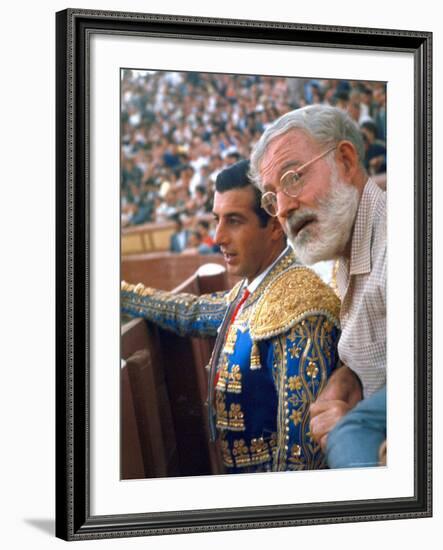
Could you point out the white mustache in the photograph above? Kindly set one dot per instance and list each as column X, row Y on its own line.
column 297, row 219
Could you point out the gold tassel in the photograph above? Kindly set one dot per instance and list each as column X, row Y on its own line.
column 231, row 340
column 255, row 356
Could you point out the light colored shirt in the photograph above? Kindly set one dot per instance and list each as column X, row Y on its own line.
column 361, row 284
column 325, row 270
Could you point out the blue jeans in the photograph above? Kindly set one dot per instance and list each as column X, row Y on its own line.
column 355, row 440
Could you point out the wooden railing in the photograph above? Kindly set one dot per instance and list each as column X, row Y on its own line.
column 149, row 237
column 165, row 270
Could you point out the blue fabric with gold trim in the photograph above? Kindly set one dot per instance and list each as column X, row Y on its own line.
column 271, row 364
column 184, row 314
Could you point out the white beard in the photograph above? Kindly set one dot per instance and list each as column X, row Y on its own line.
column 327, row 237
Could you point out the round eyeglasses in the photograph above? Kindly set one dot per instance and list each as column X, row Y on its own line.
column 291, row 183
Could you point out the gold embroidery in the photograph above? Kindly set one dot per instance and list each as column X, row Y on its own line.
column 234, row 384
column 295, row 383
column 281, row 266
column 319, row 356
column 313, row 337
column 162, row 306
column 139, row 289
column 296, row 417
column 292, row 296
column 295, row 450
column 259, row 451
column 273, row 444
column 314, row 343
column 223, row 375
column 255, row 357
column 297, row 399
column 295, row 458
column 282, row 421
column 232, row 295
column 240, row 453
column 236, row 418
column 226, row 454
column 231, row 339
column 221, row 412
column 312, row 370
column 295, row 352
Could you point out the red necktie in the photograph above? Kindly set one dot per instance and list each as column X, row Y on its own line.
column 242, row 300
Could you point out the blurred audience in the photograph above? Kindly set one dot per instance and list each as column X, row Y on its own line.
column 375, row 161
column 179, row 129
column 180, row 238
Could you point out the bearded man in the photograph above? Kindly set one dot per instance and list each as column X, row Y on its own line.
column 309, row 166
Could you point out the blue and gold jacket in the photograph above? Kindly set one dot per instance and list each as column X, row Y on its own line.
column 267, row 366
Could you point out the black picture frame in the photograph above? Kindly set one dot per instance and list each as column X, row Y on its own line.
column 74, row 27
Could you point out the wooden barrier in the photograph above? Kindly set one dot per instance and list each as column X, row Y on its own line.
column 149, row 237
column 153, row 236
column 163, row 397
column 166, row 270
column 148, row 443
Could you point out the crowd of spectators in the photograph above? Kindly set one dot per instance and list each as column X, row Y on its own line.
column 179, row 129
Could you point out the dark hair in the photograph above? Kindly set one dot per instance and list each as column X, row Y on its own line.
column 203, row 223
column 196, row 234
column 236, row 177
column 177, row 219
column 201, row 189
column 341, row 95
column 233, row 155
column 369, row 125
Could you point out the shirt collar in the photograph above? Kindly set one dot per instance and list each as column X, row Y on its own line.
column 360, row 258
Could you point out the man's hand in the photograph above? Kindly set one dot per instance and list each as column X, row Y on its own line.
column 324, row 416
column 343, row 385
column 341, row 394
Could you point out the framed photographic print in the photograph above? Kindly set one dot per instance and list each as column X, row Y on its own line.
column 150, row 110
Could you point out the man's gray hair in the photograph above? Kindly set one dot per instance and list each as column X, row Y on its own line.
column 326, row 125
